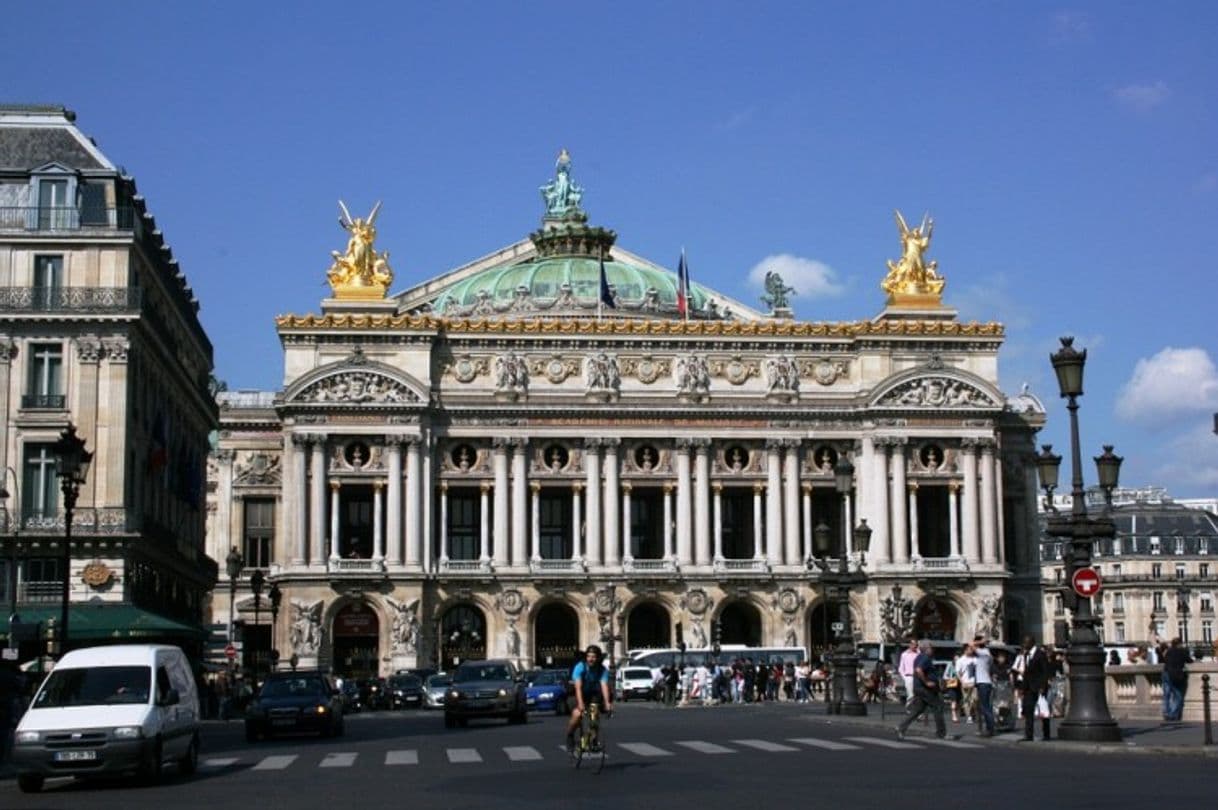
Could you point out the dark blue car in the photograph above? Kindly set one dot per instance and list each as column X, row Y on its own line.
column 547, row 691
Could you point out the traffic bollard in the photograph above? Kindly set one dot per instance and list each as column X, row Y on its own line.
column 1205, row 707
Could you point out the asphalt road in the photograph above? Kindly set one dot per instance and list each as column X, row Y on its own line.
column 739, row 757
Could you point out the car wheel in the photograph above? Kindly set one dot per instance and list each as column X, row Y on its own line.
column 29, row 782
column 189, row 763
column 151, row 770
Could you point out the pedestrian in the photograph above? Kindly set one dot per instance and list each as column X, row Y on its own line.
column 926, row 692
column 1175, row 680
column 803, row 674
column 905, row 668
column 983, row 665
column 966, row 671
column 1036, row 678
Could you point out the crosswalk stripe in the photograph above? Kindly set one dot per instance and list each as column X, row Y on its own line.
column 464, row 755
column 828, row 745
column 645, row 750
column 950, row 743
column 338, row 759
column 765, row 745
column 885, row 743
column 705, row 747
column 521, row 753
column 219, row 762
column 275, row 763
column 402, row 757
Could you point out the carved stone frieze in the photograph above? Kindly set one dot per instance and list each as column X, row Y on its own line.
column 258, row 469
column 736, row 369
column 88, row 349
column 466, row 368
column 554, row 368
column 692, row 376
column 646, row 369
column 824, row 371
column 358, row 387
column 781, row 375
column 117, row 349
column 937, row 392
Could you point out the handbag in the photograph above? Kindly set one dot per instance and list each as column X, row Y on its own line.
column 1042, row 706
column 951, row 683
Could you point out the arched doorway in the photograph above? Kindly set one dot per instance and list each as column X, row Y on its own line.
column 555, row 636
column 357, row 634
column 935, row 619
column 648, row 626
column 740, row 623
column 820, row 631
column 462, row 634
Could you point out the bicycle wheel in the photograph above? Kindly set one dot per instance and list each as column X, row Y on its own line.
column 581, row 743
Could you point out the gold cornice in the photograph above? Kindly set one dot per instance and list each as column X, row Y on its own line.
column 589, row 326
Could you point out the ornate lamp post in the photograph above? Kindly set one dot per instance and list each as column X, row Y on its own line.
column 276, row 597
column 257, row 580
column 233, row 564
column 13, row 618
column 72, row 462
column 1087, row 718
column 838, row 584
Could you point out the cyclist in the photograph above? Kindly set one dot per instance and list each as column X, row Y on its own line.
column 590, row 682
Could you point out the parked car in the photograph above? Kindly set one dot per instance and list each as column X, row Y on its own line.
column 636, row 682
column 405, row 691
column 110, row 710
column 547, row 691
column 350, row 694
column 422, row 673
column 491, row 688
column 295, row 702
column 434, row 690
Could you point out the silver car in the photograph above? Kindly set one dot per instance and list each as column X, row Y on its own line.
column 434, row 690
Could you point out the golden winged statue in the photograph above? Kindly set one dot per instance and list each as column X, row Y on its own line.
column 911, row 279
column 361, row 272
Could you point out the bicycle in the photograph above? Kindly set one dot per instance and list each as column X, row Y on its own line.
column 590, row 742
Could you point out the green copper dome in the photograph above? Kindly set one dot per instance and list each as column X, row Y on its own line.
column 543, row 279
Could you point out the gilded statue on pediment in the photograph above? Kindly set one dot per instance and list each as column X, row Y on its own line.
column 361, row 272
column 913, row 279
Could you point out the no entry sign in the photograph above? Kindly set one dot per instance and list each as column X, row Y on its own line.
column 1086, row 582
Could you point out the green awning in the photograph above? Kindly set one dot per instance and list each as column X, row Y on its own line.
column 110, row 622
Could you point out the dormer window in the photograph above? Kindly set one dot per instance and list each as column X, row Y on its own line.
column 53, row 192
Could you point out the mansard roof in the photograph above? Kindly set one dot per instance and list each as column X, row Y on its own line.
column 32, row 136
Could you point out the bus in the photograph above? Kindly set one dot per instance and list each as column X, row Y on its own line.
column 657, row 658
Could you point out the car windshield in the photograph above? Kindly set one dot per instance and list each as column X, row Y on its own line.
column 548, row 678
column 404, row 682
column 437, row 681
column 95, row 686
column 293, row 687
column 637, row 673
column 485, row 672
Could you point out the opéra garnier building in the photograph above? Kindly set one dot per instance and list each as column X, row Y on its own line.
column 512, row 459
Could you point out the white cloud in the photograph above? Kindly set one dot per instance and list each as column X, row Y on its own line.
column 735, row 120
column 810, row 278
column 1142, row 97
column 1068, row 26
column 1172, row 383
column 1192, row 465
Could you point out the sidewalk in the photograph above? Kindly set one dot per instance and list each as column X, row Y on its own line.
column 1138, row 736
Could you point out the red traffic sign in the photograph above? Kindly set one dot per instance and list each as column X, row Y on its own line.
column 1086, row 582
column 230, row 652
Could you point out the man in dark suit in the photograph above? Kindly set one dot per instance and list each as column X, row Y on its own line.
column 1036, row 677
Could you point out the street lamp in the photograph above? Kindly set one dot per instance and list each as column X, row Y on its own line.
column 276, row 597
column 838, row 584
column 257, row 580
column 232, row 566
column 13, row 618
column 1087, row 717
column 72, row 466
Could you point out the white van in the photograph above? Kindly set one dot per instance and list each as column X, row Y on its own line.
column 109, row 710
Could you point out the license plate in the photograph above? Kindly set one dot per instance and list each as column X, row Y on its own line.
column 75, row 756
column 531, row 701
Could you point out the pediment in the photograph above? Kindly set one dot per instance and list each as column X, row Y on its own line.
column 938, row 389
column 356, row 381
column 54, row 167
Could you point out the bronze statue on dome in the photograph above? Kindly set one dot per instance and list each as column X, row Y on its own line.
column 562, row 195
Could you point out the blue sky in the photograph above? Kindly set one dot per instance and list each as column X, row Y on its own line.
column 1067, row 151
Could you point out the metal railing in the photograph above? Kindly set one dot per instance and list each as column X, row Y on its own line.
column 564, row 564
column 466, row 566
column 85, row 520
column 65, row 218
column 658, row 566
column 70, row 299
column 940, row 564
column 341, row 566
column 751, row 566
column 44, row 402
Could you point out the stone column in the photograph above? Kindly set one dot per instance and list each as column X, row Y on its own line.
column 668, row 545
column 317, row 506
column 773, row 502
column 685, row 551
column 414, row 503
column 913, row 520
column 519, row 503
column 989, row 511
column 425, row 520
column 393, row 502
column 592, row 483
column 378, row 535
column 790, row 501
column 758, row 535
column 223, row 540
column 1031, row 494
column 577, row 521
column 335, row 513
column 897, row 501
column 807, row 525
column 701, row 506
column 535, row 527
column 612, row 501
column 953, row 517
column 627, row 539
column 500, row 535
column 717, row 488
column 484, row 529
column 295, row 491
column 968, row 510
column 8, row 353
column 444, row 523
column 882, row 550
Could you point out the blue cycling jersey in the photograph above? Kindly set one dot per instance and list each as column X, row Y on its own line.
column 588, row 679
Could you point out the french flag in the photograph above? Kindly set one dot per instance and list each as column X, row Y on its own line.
column 683, row 287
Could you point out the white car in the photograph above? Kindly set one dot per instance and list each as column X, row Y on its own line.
column 636, row 682
column 434, row 690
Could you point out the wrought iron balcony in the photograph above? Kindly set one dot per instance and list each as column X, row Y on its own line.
column 466, row 567
column 85, row 521
column 43, row 402
column 742, row 566
column 66, row 218
column 343, row 566
column 646, row 566
column 70, row 299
